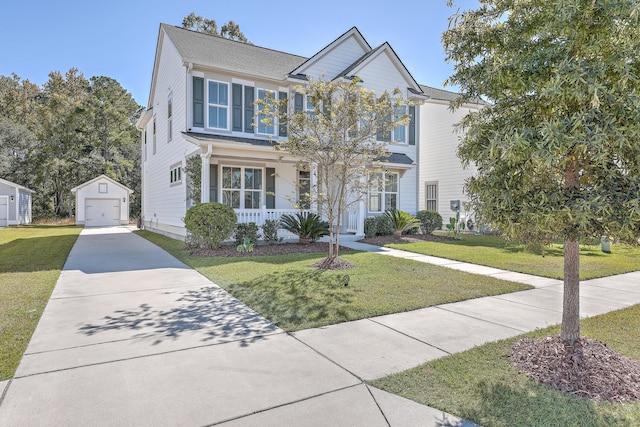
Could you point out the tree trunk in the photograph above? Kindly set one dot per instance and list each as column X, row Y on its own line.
column 571, row 303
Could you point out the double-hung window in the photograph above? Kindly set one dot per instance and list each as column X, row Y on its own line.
column 242, row 187
column 383, row 191
column 400, row 132
column 268, row 96
column 218, row 102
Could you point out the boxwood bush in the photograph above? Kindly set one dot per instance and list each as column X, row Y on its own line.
column 429, row 221
column 209, row 224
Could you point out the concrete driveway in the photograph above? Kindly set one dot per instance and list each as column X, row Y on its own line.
column 133, row 337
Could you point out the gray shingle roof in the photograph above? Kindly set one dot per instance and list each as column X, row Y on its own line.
column 224, row 54
column 207, row 137
column 397, row 158
column 444, row 95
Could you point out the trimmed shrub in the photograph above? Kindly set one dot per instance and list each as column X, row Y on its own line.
column 306, row 225
column 270, row 231
column 370, row 227
column 429, row 221
column 249, row 231
column 402, row 221
column 209, row 224
column 384, row 226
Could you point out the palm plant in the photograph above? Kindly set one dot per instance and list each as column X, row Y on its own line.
column 307, row 226
column 402, row 221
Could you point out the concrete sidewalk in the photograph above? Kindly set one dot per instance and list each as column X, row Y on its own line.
column 131, row 336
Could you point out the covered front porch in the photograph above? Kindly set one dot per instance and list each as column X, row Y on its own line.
column 263, row 185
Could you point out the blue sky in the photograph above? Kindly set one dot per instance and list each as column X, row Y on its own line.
column 117, row 38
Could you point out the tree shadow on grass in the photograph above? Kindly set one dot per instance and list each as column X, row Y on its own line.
column 298, row 299
column 536, row 406
column 208, row 314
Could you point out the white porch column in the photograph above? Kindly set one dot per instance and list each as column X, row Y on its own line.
column 362, row 210
column 205, row 175
column 313, row 184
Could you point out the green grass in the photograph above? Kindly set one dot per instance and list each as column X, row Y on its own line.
column 294, row 296
column 31, row 259
column 482, row 386
column 495, row 252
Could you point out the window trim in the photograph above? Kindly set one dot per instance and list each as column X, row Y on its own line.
column 383, row 192
column 243, row 189
column 209, row 104
column 274, row 125
column 175, row 174
column 427, row 184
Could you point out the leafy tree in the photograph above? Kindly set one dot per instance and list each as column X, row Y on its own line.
column 65, row 133
column 230, row 30
column 65, row 153
column 338, row 140
column 18, row 147
column 19, row 100
column 558, row 153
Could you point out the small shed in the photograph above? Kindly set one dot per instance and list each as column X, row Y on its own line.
column 15, row 204
column 102, row 202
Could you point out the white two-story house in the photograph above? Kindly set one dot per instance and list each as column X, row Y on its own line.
column 201, row 104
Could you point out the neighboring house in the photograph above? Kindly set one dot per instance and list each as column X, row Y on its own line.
column 201, row 103
column 102, row 202
column 442, row 176
column 15, row 204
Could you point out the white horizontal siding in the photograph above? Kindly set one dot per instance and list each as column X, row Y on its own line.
column 438, row 159
column 163, row 203
column 337, row 60
column 381, row 74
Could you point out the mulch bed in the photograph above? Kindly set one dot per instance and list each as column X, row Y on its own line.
column 407, row 238
column 269, row 250
column 588, row 368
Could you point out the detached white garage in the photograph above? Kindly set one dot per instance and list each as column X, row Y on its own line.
column 102, row 202
column 15, row 204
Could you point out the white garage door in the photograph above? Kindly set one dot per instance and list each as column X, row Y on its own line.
column 102, row 212
column 4, row 211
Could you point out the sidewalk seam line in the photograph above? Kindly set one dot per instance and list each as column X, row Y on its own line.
column 293, row 402
column 409, row 336
column 138, row 357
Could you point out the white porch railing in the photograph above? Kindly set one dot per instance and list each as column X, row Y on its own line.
column 352, row 221
column 259, row 216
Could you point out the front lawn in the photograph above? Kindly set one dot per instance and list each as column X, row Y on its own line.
column 294, row 296
column 482, row 386
column 31, row 259
column 495, row 252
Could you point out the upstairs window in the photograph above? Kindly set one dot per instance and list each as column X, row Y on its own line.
column 268, row 96
column 218, row 103
column 400, row 132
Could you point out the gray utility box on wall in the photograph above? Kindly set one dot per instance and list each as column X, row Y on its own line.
column 455, row 205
